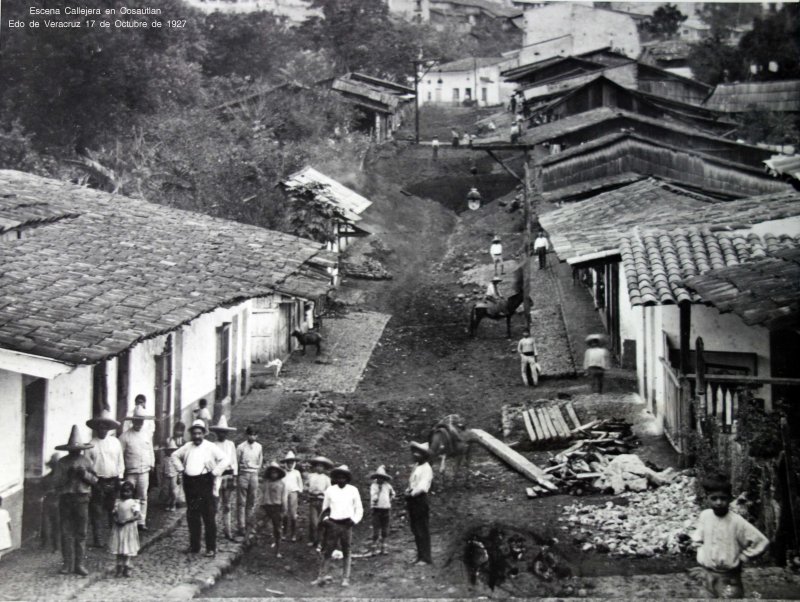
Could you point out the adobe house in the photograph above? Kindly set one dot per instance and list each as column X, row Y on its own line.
column 104, row 297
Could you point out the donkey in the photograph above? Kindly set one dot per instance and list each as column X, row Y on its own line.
column 309, row 338
column 504, row 308
column 449, row 438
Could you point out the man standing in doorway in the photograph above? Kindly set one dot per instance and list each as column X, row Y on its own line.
column 109, row 467
column 200, row 461
column 540, row 246
column 419, row 483
column 137, row 451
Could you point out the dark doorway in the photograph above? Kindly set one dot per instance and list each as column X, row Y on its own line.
column 35, row 407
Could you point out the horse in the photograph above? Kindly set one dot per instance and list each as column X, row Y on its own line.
column 308, row 338
column 498, row 310
column 449, row 439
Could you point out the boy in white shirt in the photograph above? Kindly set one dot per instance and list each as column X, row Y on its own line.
column 318, row 483
column 294, row 487
column 341, row 510
column 496, row 251
column 726, row 541
column 381, row 495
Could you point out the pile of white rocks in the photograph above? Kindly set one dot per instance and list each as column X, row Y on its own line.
column 654, row 522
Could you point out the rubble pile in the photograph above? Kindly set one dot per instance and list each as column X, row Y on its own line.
column 367, row 269
column 654, row 522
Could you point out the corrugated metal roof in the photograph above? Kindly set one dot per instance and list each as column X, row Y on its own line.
column 774, row 96
column 337, row 194
column 124, row 270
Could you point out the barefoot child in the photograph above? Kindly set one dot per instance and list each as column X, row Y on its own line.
column 726, row 541
column 318, row 483
column 274, row 502
column 294, row 487
column 381, row 495
column 125, row 534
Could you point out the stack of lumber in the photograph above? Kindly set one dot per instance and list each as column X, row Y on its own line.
column 547, row 423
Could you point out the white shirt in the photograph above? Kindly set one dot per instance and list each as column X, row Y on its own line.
column 204, row 415
column 344, row 502
column 540, row 243
column 294, row 481
column 381, row 495
column 421, row 479
column 496, row 249
column 137, row 451
column 249, row 456
column 194, row 460
column 318, row 483
column 595, row 357
column 106, row 457
column 229, row 449
column 725, row 539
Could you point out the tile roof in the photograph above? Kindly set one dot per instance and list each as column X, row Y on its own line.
column 765, row 292
column 468, row 64
column 17, row 213
column 775, row 96
column 658, row 262
column 496, row 9
column 582, row 228
column 585, row 189
column 337, row 194
column 88, row 287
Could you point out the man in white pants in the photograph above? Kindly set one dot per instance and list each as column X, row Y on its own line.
column 137, row 451
column 528, row 357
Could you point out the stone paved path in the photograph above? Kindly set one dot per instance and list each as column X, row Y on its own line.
column 348, row 342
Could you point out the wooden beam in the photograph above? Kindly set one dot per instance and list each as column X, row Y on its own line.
column 504, row 166
column 685, row 308
column 572, row 415
column 528, row 426
column 748, row 380
column 552, row 412
column 514, row 459
column 537, row 425
column 544, row 416
column 33, row 365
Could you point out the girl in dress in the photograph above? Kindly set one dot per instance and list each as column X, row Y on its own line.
column 125, row 534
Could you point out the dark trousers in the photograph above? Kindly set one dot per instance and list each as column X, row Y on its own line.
column 541, row 252
column 101, row 505
column 274, row 513
column 380, row 523
column 596, row 374
column 201, row 510
column 418, row 516
column 73, row 510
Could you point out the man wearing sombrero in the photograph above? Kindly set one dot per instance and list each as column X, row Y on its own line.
column 140, row 458
column 200, row 461
column 341, row 510
column 74, row 478
column 225, row 484
column 419, row 483
column 107, row 463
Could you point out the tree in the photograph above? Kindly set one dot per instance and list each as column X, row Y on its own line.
column 769, row 127
column 665, row 21
column 713, row 61
column 774, row 39
column 723, row 18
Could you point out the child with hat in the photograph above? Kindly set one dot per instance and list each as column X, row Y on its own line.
column 274, row 501
column 169, row 477
column 124, row 534
column 341, row 510
column 318, row 483
column 74, row 479
column 294, row 487
column 496, row 251
column 381, row 495
column 225, row 484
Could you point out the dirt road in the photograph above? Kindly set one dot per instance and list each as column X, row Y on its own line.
column 425, row 367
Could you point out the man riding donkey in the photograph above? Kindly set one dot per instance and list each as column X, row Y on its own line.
column 495, row 305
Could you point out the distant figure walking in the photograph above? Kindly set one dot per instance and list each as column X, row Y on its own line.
column 595, row 361
column 456, row 138
column 540, row 246
column 496, row 251
column 528, row 359
column 435, row 148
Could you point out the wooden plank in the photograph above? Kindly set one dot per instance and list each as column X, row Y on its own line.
column 537, row 425
column 548, row 428
column 586, row 426
column 530, row 492
column 563, row 423
column 587, row 475
column 553, row 430
column 556, row 467
column 514, row 459
column 573, row 415
column 528, row 425
column 551, row 412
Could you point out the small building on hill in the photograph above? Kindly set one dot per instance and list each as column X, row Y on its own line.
column 104, row 297
column 464, row 15
column 466, row 81
column 384, row 104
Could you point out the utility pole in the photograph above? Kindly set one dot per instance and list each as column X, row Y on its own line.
column 417, row 64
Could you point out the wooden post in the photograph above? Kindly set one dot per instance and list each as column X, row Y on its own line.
column 700, row 372
column 526, row 215
column 685, row 330
column 684, row 417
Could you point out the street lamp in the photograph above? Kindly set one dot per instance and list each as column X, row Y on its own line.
column 474, row 199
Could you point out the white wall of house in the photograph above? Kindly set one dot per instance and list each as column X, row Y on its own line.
column 12, row 428
column 69, row 401
column 412, row 10
column 608, row 28
column 778, row 227
column 491, row 89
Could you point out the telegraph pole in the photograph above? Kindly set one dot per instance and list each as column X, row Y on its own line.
column 417, row 64
column 526, row 248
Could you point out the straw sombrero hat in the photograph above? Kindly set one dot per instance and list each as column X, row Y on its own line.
column 381, row 473
column 496, row 239
column 600, row 338
column 198, row 424
column 290, row 457
column 343, row 469
column 74, row 441
column 275, row 466
column 104, row 421
column 171, row 444
column 222, row 425
column 139, row 414
column 321, row 460
column 421, row 447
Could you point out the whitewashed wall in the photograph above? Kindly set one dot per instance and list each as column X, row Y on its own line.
column 69, row 401
column 497, row 92
column 12, row 428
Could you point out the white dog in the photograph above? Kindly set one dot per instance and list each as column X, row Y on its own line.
column 278, row 365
